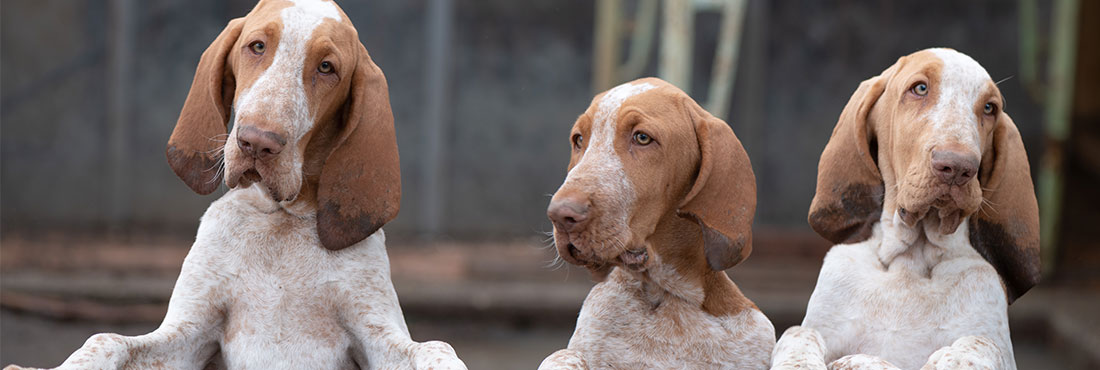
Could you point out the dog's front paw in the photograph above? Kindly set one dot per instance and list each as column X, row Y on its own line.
column 565, row 359
column 17, row 367
column 969, row 352
column 861, row 362
column 436, row 355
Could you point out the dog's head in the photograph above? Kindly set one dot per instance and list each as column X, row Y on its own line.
column 642, row 153
column 310, row 118
column 928, row 141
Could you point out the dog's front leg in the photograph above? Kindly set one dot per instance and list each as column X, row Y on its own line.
column 969, row 352
column 371, row 312
column 799, row 348
column 385, row 343
column 186, row 339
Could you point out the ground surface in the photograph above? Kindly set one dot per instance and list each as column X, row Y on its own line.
column 499, row 305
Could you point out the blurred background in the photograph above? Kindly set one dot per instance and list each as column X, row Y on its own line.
column 94, row 225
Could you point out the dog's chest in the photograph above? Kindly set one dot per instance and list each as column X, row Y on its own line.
column 281, row 290
column 617, row 328
column 900, row 316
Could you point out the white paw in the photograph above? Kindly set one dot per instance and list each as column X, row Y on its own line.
column 861, row 362
column 968, row 353
column 436, row 355
column 565, row 359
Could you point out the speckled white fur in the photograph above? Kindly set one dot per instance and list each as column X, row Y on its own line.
column 600, row 162
column 279, row 95
column 619, row 328
column 258, row 286
column 910, row 296
column 960, row 86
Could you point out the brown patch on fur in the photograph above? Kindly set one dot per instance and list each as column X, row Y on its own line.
column 851, row 221
column 1006, row 231
column 848, row 167
column 360, row 182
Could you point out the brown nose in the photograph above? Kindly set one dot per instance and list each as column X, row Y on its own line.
column 259, row 143
column 570, row 214
column 954, row 168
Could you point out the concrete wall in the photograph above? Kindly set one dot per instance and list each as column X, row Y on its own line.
column 521, row 75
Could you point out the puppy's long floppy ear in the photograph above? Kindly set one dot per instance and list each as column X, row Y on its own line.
column 195, row 143
column 360, row 185
column 723, row 198
column 849, row 193
column 1006, row 229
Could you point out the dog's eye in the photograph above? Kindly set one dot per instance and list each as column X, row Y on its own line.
column 990, row 108
column 325, row 67
column 920, row 89
column 257, row 47
column 578, row 140
column 642, row 138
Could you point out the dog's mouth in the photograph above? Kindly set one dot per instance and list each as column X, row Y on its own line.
column 945, row 210
column 251, row 174
column 634, row 259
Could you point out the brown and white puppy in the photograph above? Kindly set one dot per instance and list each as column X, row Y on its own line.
column 289, row 268
column 925, row 188
column 658, row 202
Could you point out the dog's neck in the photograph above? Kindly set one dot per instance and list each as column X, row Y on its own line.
column 918, row 248
column 679, row 271
column 304, row 206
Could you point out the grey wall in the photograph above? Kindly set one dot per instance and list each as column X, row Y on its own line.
column 521, row 74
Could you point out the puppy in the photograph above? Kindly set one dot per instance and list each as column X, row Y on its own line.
column 925, row 188
column 658, row 202
column 289, row 268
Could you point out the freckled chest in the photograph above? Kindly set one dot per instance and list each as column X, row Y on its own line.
column 899, row 316
column 281, row 288
column 618, row 328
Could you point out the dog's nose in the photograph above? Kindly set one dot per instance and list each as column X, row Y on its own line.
column 569, row 214
column 259, row 143
column 954, row 168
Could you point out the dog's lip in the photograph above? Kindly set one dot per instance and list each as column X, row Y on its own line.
column 634, row 259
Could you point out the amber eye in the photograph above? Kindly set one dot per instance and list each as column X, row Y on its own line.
column 257, row 47
column 578, row 140
column 642, row 138
column 325, row 67
column 920, row 89
column 990, row 108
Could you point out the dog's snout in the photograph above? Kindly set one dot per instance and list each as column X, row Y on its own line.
column 569, row 214
column 954, row 168
column 259, row 143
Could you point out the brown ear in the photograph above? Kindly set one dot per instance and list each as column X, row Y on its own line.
column 360, row 185
column 196, row 143
column 849, row 194
column 1005, row 231
column 723, row 198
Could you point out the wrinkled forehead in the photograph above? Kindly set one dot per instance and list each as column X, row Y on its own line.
column 949, row 71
